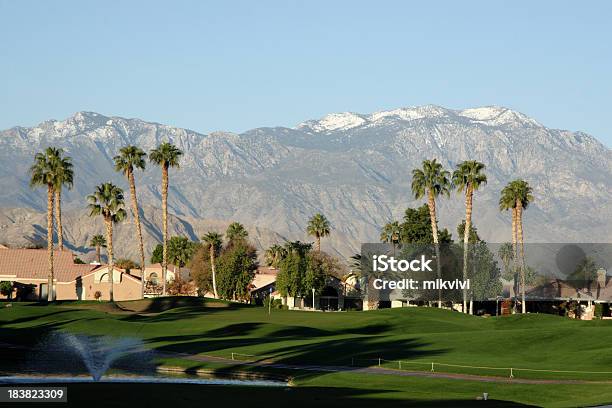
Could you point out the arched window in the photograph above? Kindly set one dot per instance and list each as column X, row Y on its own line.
column 153, row 278
column 104, row 278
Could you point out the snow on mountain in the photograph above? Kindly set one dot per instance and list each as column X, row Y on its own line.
column 334, row 121
column 490, row 115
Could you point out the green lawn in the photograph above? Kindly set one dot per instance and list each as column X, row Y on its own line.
column 411, row 334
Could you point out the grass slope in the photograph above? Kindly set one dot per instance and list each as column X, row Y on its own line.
column 411, row 334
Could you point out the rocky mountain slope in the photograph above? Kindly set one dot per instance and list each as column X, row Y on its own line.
column 355, row 168
column 21, row 227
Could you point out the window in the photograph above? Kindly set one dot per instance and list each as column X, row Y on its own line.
column 153, row 278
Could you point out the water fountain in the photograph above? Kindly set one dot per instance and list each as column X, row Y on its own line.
column 100, row 352
column 62, row 357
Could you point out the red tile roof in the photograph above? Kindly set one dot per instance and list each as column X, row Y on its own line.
column 33, row 264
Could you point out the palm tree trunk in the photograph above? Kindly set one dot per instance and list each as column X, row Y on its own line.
column 214, row 272
column 519, row 236
column 50, row 291
column 318, row 243
column 58, row 217
column 466, row 239
column 164, row 226
column 138, row 230
column 109, row 249
column 473, row 274
column 431, row 204
column 98, row 257
column 514, row 255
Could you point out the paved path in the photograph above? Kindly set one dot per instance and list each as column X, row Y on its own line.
column 373, row 370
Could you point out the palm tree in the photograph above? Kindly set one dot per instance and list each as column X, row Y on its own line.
column 298, row 247
column 391, row 233
column 65, row 176
column 432, row 180
column 235, row 231
column 214, row 241
column 517, row 196
column 98, row 241
column 275, row 254
column 180, row 251
column 128, row 159
column 468, row 177
column 318, row 227
column 166, row 155
column 44, row 173
column 108, row 202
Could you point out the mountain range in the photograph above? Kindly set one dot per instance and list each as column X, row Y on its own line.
column 354, row 168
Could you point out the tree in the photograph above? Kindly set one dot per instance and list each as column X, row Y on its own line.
column 506, row 254
column 468, row 177
column 318, row 227
column 517, row 196
column 473, row 240
column 158, row 254
column 44, row 172
column 303, row 270
column 201, row 269
column 235, row 231
column 166, row 155
column 473, row 236
column 290, row 279
column 180, row 251
column 98, row 241
column 214, row 240
column 432, row 181
column 485, row 280
column 107, row 201
column 354, row 263
column 299, row 247
column 391, row 233
column 416, row 228
column 584, row 274
column 236, row 268
column 64, row 177
column 319, row 267
column 6, row 289
column 128, row 159
column 274, row 255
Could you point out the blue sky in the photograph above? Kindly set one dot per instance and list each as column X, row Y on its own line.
column 236, row 65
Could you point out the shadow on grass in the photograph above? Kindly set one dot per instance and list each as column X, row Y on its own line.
column 282, row 344
column 295, row 346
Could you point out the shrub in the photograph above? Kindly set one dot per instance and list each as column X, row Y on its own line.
column 24, row 291
column 6, row 288
column 598, row 310
column 276, row 303
column 181, row 287
column 97, row 295
column 126, row 264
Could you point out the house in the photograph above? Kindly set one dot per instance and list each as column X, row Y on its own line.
column 598, row 290
column 153, row 273
column 337, row 294
column 28, row 270
column 263, row 281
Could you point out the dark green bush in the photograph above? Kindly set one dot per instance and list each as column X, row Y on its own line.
column 598, row 310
